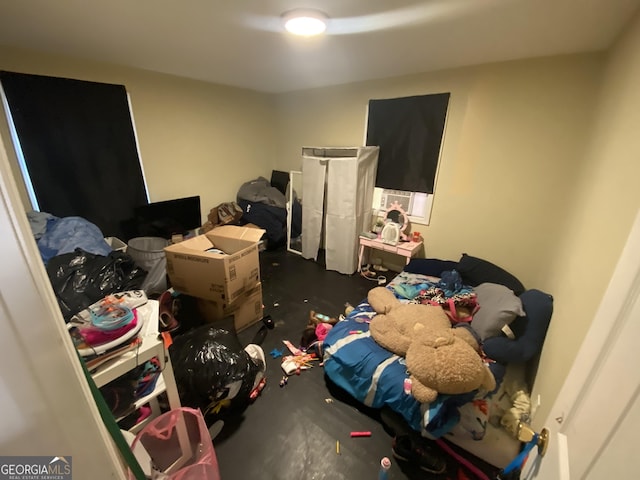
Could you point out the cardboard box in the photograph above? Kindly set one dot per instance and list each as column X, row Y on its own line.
column 262, row 245
column 246, row 310
column 197, row 271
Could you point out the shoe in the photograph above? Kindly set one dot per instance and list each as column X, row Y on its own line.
column 368, row 274
column 420, row 452
column 380, row 268
column 168, row 310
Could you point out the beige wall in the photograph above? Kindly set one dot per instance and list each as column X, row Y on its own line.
column 604, row 203
column 515, row 144
column 515, row 134
column 195, row 138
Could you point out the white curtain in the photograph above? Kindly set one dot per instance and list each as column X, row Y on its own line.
column 338, row 185
column 314, row 170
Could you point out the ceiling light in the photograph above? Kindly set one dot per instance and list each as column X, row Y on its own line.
column 305, row 22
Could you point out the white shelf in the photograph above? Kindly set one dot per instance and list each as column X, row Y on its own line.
column 152, row 346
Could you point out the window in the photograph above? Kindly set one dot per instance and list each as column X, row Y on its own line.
column 76, row 144
column 409, row 132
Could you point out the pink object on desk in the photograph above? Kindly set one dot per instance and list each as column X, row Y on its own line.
column 360, row 434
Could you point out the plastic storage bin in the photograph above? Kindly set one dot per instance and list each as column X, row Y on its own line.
column 148, row 254
column 146, row 251
column 179, row 446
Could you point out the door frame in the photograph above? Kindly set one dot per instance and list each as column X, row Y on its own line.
column 46, row 386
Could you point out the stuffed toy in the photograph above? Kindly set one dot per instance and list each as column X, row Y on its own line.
column 439, row 358
column 317, row 328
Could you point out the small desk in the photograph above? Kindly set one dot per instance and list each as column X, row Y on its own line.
column 405, row 249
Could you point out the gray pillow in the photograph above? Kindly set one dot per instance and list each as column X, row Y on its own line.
column 499, row 306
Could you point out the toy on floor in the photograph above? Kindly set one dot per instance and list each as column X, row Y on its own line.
column 275, row 353
column 317, row 328
column 316, row 318
column 258, row 389
column 348, row 308
column 296, row 363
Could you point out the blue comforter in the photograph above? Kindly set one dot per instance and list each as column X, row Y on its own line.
column 375, row 376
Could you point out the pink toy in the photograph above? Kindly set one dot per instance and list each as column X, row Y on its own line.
column 322, row 329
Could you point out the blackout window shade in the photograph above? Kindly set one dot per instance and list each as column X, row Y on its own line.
column 409, row 132
column 79, row 147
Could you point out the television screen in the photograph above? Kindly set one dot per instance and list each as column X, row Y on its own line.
column 164, row 219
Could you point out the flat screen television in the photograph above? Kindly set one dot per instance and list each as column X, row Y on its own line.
column 164, row 219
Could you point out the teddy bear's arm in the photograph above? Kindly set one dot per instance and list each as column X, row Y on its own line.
column 421, row 392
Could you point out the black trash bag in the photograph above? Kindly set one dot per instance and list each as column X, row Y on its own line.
column 212, row 370
column 80, row 279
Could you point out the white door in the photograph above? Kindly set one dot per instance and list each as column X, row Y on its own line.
column 594, row 422
column 46, row 407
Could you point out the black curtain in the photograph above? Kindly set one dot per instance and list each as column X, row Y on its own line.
column 79, row 147
column 409, row 132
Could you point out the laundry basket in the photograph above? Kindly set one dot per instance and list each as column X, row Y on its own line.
column 148, row 254
column 179, row 446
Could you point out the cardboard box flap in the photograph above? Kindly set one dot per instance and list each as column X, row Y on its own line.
column 199, row 244
column 234, row 231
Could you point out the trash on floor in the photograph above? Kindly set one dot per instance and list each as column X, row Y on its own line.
column 213, row 372
column 268, row 321
column 296, row 363
column 294, row 350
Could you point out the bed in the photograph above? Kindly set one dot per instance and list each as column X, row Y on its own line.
column 482, row 422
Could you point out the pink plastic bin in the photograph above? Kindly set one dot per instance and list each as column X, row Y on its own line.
column 179, row 446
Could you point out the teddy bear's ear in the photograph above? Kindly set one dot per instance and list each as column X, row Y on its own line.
column 382, row 300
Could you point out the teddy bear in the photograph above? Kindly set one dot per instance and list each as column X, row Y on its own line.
column 439, row 358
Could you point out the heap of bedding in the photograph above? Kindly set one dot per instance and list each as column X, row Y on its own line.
column 509, row 322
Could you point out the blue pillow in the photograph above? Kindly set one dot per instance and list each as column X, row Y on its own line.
column 529, row 330
column 429, row 266
column 475, row 271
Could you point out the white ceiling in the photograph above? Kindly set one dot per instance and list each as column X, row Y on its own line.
column 241, row 43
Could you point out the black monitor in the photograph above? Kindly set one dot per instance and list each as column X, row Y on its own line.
column 164, row 219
